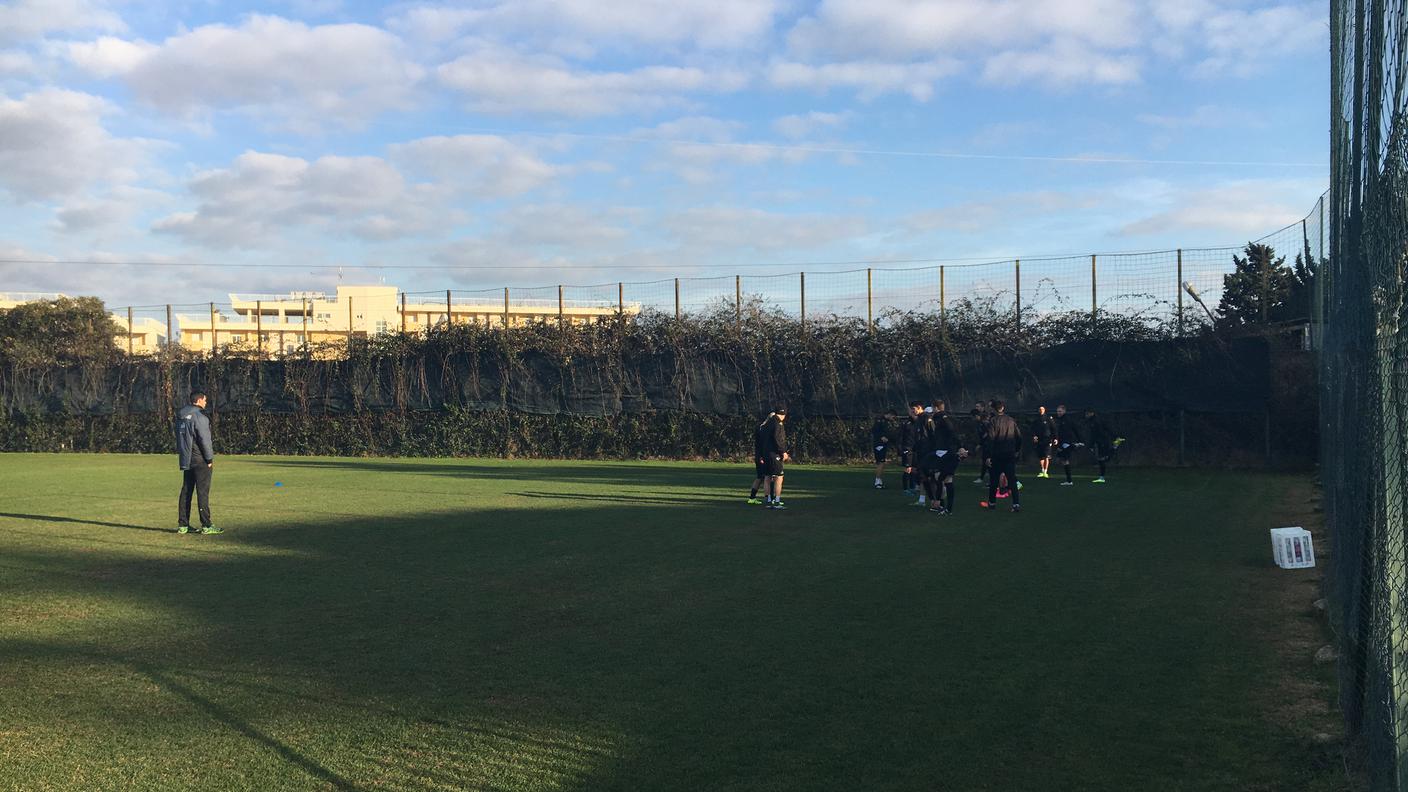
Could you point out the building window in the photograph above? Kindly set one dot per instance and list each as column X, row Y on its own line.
column 381, row 326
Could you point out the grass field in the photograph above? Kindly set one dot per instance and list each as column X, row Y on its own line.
column 492, row 625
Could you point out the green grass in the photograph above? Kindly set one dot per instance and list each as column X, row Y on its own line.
column 491, row 625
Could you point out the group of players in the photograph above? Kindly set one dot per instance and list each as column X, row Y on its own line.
column 931, row 449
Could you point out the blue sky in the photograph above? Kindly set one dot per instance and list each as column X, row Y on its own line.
column 522, row 142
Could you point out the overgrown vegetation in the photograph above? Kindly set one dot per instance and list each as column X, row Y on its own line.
column 651, row 386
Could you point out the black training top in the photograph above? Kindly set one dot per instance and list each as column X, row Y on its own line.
column 760, row 443
column 1067, row 429
column 1043, row 428
column 945, row 435
column 908, row 432
column 1099, row 432
column 775, row 438
column 1004, row 437
column 880, row 432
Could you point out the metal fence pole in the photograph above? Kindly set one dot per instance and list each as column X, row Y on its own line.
column 1094, row 304
column 505, row 307
column 170, row 334
column 560, row 322
column 738, row 303
column 307, row 342
column 129, row 330
column 943, row 299
column 621, row 302
column 349, row 321
column 449, row 309
column 869, row 302
column 677, row 299
column 1180, row 309
column 403, row 313
column 213, row 336
column 259, row 328
column 1017, row 269
column 804, row 302
column 1265, row 288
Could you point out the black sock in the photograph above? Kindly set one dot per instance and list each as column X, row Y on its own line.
column 948, row 493
column 754, row 494
column 1068, row 472
column 1102, row 470
column 908, row 481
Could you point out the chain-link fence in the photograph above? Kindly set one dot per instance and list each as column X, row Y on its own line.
column 1177, row 291
column 1363, row 323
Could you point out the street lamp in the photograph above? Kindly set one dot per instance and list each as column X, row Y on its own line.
column 1192, row 292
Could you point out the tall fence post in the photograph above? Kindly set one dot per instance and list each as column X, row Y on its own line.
column 449, row 308
column 259, row 328
column 1094, row 303
column 738, row 303
column 129, row 330
column 213, row 335
column 349, row 321
column 505, row 307
column 943, row 300
column 804, row 302
column 1265, row 288
column 170, row 328
column 403, row 313
column 677, row 299
column 307, row 342
column 560, row 321
column 1180, row 310
column 621, row 303
column 869, row 301
column 1017, row 270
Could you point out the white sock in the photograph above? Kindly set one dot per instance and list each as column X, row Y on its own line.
column 922, row 500
column 877, row 481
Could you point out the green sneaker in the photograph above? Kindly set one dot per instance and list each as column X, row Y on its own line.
column 753, row 501
column 1100, row 480
column 210, row 529
column 180, row 529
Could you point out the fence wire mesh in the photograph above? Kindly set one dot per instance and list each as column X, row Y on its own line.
column 1363, row 328
column 1172, row 291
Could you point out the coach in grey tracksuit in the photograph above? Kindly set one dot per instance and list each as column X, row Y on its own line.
column 197, row 457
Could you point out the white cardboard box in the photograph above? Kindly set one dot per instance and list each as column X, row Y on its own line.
column 1292, row 548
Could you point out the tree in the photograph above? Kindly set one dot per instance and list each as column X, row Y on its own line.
column 62, row 331
column 1263, row 289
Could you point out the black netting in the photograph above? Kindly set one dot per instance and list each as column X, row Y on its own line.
column 1362, row 327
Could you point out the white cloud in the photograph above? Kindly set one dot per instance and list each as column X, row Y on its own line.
column 1061, row 63
column 112, row 210
column 697, row 146
column 805, row 125
column 498, row 81
column 1224, row 35
column 283, row 71
column 721, row 228
column 14, row 63
column 582, row 26
column 869, row 78
column 1247, row 208
column 263, row 196
column 53, row 145
column 1205, row 117
column 31, row 19
column 485, row 165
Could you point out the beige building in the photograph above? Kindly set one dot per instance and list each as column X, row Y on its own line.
column 284, row 322
column 139, row 336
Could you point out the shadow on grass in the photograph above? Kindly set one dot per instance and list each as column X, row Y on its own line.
column 647, row 646
column 75, row 520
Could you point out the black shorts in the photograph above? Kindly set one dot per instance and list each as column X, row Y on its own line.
column 774, row 464
column 906, row 459
column 941, row 467
column 1043, row 449
column 881, row 451
column 1064, row 454
column 1103, row 453
column 760, row 467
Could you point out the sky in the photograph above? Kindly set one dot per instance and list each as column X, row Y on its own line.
column 268, row 147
